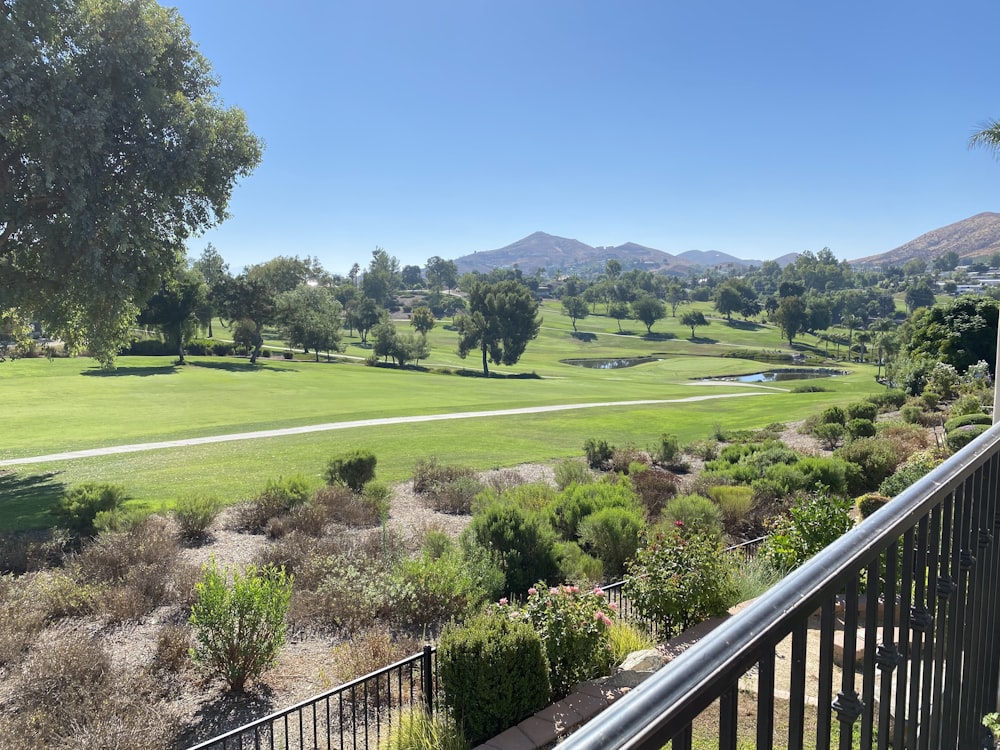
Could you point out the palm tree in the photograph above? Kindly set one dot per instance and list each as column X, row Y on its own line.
column 988, row 137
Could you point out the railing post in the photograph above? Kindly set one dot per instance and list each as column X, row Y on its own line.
column 427, row 672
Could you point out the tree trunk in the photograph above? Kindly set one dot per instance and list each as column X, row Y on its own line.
column 486, row 369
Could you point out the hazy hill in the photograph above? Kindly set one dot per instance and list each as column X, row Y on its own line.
column 541, row 250
column 976, row 236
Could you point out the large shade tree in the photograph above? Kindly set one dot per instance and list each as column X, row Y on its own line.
column 501, row 320
column 114, row 151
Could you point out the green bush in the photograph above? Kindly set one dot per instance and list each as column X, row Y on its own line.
column 78, row 507
column 966, row 405
column 429, row 474
column 875, row 459
column 355, row 469
column 833, row 415
column 194, row 514
column 625, row 638
column 962, row 436
column 571, row 471
column 573, row 627
column 829, row 434
column 734, row 502
column 455, row 495
column 440, row 588
column 278, row 497
column 963, row 420
column 860, row 428
column 697, row 515
column 578, row 501
column 889, row 399
column 678, row 581
column 870, row 502
column 862, row 410
column 612, row 536
column 907, row 473
column 576, row 566
column 669, row 450
column 494, row 673
column 239, row 627
column 378, row 497
column 912, row 414
column 522, row 542
column 598, row 452
column 813, row 522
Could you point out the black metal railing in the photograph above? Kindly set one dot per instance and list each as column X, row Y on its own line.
column 354, row 715
column 888, row 638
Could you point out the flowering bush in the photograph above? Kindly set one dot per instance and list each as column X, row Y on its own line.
column 573, row 628
column 678, row 580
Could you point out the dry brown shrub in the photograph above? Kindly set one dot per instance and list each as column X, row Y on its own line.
column 21, row 617
column 60, row 594
column 173, row 649
column 346, row 507
column 621, row 458
column 68, row 695
column 454, row 496
column 905, row 439
column 655, row 487
column 504, row 479
column 369, row 650
column 428, row 473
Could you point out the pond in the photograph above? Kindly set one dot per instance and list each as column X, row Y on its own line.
column 791, row 373
column 609, row 364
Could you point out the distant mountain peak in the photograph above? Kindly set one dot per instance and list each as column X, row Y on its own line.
column 973, row 237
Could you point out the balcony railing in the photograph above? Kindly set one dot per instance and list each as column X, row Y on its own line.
column 888, row 638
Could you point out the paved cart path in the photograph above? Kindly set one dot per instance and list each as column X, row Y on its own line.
column 137, row 447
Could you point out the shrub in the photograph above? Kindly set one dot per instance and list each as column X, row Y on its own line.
column 612, row 535
column 572, row 625
column 623, row 459
column 829, row 434
column 813, row 522
column 194, row 515
column 578, row 501
column 907, row 473
column 875, row 459
column 454, row 495
column 892, row 398
column 576, row 566
column 598, row 453
column 378, row 497
column 734, row 502
column 753, row 577
column 344, row 506
column 625, row 638
column 240, row 627
column 494, row 673
column 355, row 469
column 808, row 388
column 912, row 414
column 966, row 405
column 571, row 471
column 655, row 488
column 367, row 651
column 966, row 419
column 440, row 588
column 695, row 513
column 862, row 410
column 678, row 581
column 415, row 729
column 428, row 474
column 173, row 649
column 21, row 616
column 870, row 502
column 930, row 399
column 522, row 542
column 79, row 506
column 669, row 450
column 962, row 436
column 279, row 496
column 833, row 415
column 860, row 428
column 706, row 450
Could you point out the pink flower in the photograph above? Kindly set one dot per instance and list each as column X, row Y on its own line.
column 614, row 607
column 598, row 591
column 601, row 617
column 532, row 591
column 574, row 589
column 503, row 602
column 679, row 524
column 553, row 591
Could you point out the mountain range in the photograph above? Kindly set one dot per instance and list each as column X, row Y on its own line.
column 975, row 237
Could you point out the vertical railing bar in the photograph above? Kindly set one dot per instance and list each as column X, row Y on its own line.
column 981, row 539
column 823, row 709
column 872, row 597
column 900, row 718
column 967, row 721
column 944, row 590
column 846, row 704
column 930, row 568
column 329, row 726
column 797, row 685
column 765, row 700
column 887, row 654
column 682, row 740
column 956, row 615
column 728, row 717
column 992, row 632
column 918, row 624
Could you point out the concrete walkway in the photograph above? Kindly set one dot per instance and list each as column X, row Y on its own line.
column 138, row 447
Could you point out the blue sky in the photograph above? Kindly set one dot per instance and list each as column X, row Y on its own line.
column 756, row 129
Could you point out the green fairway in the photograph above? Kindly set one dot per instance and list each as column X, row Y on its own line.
column 69, row 404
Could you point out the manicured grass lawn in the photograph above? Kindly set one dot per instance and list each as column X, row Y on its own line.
column 69, row 404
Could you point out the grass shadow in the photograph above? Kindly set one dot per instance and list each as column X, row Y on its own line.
column 241, row 366
column 122, row 372
column 703, row 340
column 744, row 325
column 26, row 499
column 657, row 336
column 584, row 336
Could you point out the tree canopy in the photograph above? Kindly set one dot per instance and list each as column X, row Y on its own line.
column 114, row 150
column 500, row 322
